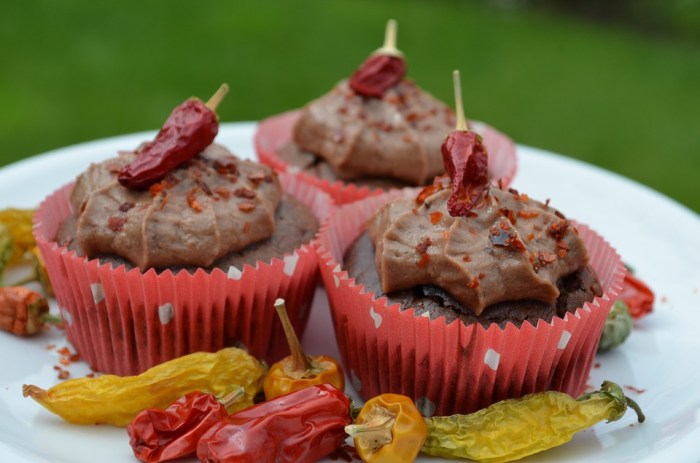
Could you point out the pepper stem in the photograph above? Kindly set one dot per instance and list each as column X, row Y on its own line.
column 299, row 360
column 233, row 397
column 216, row 98
column 459, row 108
column 638, row 410
column 389, row 47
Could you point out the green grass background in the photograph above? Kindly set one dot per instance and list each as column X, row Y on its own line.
column 72, row 71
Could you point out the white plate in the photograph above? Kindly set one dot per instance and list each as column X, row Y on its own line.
column 657, row 236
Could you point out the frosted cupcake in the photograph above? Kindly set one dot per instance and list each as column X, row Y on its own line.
column 465, row 294
column 372, row 132
column 177, row 247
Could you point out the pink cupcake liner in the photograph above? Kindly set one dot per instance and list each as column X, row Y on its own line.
column 123, row 322
column 455, row 368
column 276, row 131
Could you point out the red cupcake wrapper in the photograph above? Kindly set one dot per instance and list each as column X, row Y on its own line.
column 454, row 368
column 276, row 131
column 123, row 322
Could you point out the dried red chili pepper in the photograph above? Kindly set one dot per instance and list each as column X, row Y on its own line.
column 466, row 162
column 191, row 127
column 638, row 297
column 382, row 70
column 157, row 435
column 302, row 426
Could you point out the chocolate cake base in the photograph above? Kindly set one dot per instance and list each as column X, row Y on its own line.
column 575, row 290
column 295, row 225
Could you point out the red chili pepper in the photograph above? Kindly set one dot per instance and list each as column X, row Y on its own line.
column 160, row 435
column 382, row 70
column 302, row 426
column 377, row 75
column 191, row 127
column 637, row 295
column 466, row 163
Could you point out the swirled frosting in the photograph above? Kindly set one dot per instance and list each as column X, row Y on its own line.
column 508, row 248
column 397, row 136
column 213, row 204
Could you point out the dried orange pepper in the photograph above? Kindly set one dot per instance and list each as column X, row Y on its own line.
column 298, row 370
column 22, row 311
column 116, row 400
column 388, row 429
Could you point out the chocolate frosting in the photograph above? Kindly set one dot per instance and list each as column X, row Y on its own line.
column 398, row 136
column 212, row 205
column 508, row 248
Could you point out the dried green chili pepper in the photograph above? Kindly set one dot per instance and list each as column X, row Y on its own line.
column 116, row 400
column 618, row 327
column 515, row 428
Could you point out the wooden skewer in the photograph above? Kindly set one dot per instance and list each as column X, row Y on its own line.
column 389, row 47
column 459, row 108
column 217, row 97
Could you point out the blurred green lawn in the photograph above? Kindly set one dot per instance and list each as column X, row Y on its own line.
column 73, row 71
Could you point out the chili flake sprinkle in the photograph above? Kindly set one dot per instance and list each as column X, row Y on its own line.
column 244, row 193
column 246, row 206
column 116, row 224
column 192, row 200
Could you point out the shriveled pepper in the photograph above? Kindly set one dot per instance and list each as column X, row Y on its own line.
column 302, row 426
column 157, row 435
column 515, row 428
column 382, row 70
column 116, row 400
column 19, row 224
column 637, row 295
column 618, row 327
column 191, row 127
column 388, row 429
column 466, row 161
column 298, row 370
column 23, row 311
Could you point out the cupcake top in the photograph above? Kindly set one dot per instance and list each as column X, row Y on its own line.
column 480, row 244
column 508, row 247
column 370, row 124
column 207, row 207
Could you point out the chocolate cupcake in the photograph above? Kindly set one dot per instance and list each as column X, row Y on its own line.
column 372, row 132
column 150, row 263
column 462, row 294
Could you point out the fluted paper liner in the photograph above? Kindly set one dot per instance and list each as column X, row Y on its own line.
column 455, row 368
column 275, row 132
column 123, row 322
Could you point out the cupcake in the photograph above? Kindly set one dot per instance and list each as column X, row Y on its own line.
column 372, row 132
column 177, row 247
column 463, row 294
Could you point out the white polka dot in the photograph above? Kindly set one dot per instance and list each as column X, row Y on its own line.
column 336, row 280
column 98, row 294
column 67, row 317
column 355, row 380
column 492, row 359
column 290, row 263
column 564, row 340
column 425, row 406
column 166, row 312
column 234, row 273
column 376, row 317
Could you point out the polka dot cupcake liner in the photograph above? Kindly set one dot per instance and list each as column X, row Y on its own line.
column 123, row 322
column 275, row 132
column 455, row 368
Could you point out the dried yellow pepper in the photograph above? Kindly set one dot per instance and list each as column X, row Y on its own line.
column 515, row 428
column 19, row 224
column 116, row 400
